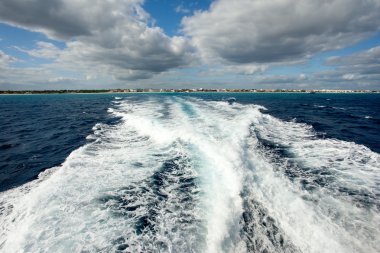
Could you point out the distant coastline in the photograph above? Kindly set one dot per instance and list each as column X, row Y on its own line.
column 10, row 92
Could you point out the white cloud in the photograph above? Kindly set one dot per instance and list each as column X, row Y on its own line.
column 60, row 79
column 359, row 61
column 261, row 31
column 243, row 69
column 348, row 76
column 44, row 50
column 16, row 78
column 181, row 9
column 364, row 64
column 6, row 59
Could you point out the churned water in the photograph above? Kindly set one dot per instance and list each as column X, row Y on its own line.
column 190, row 173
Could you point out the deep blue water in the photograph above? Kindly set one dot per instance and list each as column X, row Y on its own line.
column 190, row 173
column 40, row 131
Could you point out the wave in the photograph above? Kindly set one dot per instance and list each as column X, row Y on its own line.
column 188, row 175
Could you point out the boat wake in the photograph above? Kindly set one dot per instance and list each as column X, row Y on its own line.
column 187, row 175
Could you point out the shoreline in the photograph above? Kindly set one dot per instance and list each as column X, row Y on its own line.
column 182, row 91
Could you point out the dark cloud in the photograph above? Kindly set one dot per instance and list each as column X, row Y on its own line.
column 54, row 17
column 100, row 35
column 256, row 31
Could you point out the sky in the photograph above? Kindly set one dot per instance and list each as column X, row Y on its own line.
column 104, row 44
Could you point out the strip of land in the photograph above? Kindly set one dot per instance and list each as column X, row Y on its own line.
column 181, row 90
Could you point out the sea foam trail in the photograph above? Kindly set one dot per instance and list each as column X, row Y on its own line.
column 186, row 175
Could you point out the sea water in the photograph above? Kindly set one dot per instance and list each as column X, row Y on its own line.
column 190, row 173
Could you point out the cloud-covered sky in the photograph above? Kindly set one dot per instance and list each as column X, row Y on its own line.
column 86, row 44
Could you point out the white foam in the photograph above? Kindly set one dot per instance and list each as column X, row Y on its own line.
column 62, row 214
column 354, row 168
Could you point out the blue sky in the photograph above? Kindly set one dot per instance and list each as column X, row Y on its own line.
column 169, row 13
column 83, row 44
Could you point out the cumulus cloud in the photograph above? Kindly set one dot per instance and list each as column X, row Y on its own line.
column 148, row 50
column 99, row 34
column 116, row 42
column 65, row 19
column 260, row 31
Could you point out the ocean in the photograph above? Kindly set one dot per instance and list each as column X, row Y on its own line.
column 172, row 172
